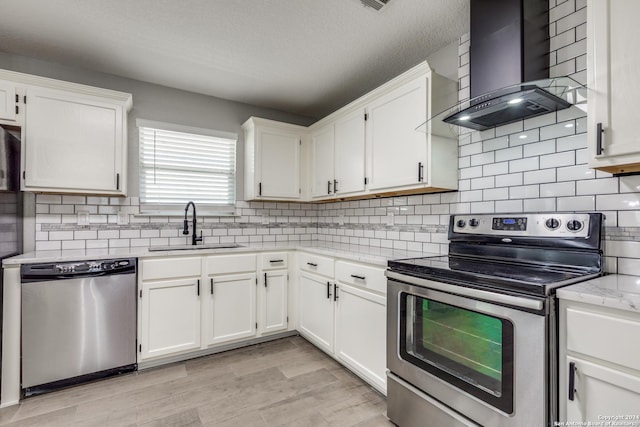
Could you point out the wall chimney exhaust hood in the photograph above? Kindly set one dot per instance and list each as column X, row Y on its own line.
column 509, row 68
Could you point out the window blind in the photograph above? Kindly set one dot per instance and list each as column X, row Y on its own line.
column 178, row 167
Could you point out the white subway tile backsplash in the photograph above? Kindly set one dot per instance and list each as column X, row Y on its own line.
column 524, row 192
column 495, row 169
column 483, row 207
column 597, row 186
column 573, row 142
column 539, row 121
column 470, row 149
column 630, row 184
column 558, row 189
column 495, row 144
column 578, row 203
column 574, row 173
column 562, row 10
column 482, row 183
column 539, row 148
column 509, row 154
column 562, row 39
column 471, row 196
column 496, row 194
column 555, row 160
column 50, row 245
column 514, row 127
column 629, row 266
column 540, row 205
column 558, row 130
column 526, row 137
column 504, row 206
column 628, row 218
column 522, row 165
column 622, row 248
column 572, row 51
column 539, row 176
column 571, row 20
column 482, row 159
column 618, row 202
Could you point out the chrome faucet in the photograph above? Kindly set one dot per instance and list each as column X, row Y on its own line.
column 194, row 238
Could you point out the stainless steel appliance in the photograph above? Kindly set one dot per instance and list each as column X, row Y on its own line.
column 472, row 335
column 78, row 322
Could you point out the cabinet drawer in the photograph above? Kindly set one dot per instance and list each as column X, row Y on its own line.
column 316, row 264
column 361, row 275
column 274, row 260
column 166, row 268
column 223, row 264
column 604, row 336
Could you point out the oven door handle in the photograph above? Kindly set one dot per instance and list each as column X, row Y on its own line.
column 528, row 303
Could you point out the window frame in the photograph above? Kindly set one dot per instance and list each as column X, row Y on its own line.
column 175, row 209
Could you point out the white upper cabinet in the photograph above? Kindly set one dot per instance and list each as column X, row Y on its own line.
column 613, row 85
column 349, row 153
column 8, row 101
column 74, row 136
column 74, row 143
column 272, row 160
column 396, row 152
column 322, row 161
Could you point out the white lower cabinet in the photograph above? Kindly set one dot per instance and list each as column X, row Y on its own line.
column 361, row 328
column 230, row 310
column 345, row 314
column 274, row 302
column 599, row 364
column 169, row 306
column 316, row 317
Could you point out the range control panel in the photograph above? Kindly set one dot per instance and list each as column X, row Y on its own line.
column 532, row 225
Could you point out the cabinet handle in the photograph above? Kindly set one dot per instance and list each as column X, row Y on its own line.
column 276, row 260
column 17, row 110
column 335, row 292
column 599, row 132
column 212, row 286
column 265, row 280
column 572, row 380
column 198, row 287
column 420, row 171
column 328, row 187
column 355, row 276
column 335, row 185
column 328, row 290
column 312, row 264
column 117, row 181
column 259, row 189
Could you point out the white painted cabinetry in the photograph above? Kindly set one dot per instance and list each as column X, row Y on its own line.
column 169, row 306
column 613, row 140
column 9, row 108
column 273, row 295
column 599, row 356
column 272, row 160
column 74, row 143
column 230, row 298
column 337, row 156
column 343, row 312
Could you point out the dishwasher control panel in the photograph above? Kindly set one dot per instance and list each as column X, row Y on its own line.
column 52, row 271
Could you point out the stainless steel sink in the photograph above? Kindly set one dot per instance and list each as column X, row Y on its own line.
column 192, row 247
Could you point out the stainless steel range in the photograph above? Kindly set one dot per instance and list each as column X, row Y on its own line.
column 472, row 335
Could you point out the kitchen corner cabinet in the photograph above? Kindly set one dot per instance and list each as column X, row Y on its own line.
column 343, row 312
column 613, row 141
column 603, row 368
column 75, row 143
column 169, row 306
column 230, row 298
column 272, row 160
column 273, row 295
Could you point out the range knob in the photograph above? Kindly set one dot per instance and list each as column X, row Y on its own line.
column 552, row 223
column 461, row 223
column 473, row 222
column 574, row 225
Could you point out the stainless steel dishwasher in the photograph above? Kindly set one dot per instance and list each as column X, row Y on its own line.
column 78, row 322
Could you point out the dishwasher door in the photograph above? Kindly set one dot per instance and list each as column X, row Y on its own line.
column 77, row 328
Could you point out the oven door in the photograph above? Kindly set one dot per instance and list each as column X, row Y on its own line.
column 485, row 360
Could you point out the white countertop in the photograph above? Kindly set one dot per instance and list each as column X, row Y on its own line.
column 366, row 254
column 614, row 291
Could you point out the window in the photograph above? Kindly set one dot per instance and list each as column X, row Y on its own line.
column 180, row 164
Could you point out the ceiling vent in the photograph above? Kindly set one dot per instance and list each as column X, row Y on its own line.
column 376, row 4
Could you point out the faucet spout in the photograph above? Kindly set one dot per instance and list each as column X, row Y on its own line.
column 185, row 230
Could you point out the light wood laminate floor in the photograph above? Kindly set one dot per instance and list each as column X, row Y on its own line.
column 287, row 382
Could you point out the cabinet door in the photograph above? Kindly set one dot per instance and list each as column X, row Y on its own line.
column 612, row 82
column 361, row 332
column 278, row 167
column 316, row 310
column 322, row 162
column 601, row 391
column 274, row 303
column 170, row 317
column 7, row 101
column 349, row 153
column 231, row 307
column 73, row 143
column 396, row 152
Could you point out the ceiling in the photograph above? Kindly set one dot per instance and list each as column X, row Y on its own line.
column 307, row 57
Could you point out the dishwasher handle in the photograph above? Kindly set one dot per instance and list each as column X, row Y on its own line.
column 76, row 269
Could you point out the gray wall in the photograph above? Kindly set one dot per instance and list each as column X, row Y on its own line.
column 159, row 103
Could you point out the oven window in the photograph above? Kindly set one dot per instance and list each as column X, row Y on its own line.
column 471, row 350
